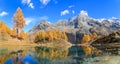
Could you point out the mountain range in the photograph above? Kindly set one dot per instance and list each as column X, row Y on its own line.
column 76, row 26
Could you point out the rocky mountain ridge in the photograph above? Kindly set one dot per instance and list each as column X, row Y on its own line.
column 76, row 26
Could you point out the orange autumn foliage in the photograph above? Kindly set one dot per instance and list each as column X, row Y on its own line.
column 50, row 35
column 17, row 31
column 94, row 35
column 4, row 31
column 4, row 28
column 13, row 33
column 86, row 38
column 87, row 50
column 23, row 35
column 19, row 21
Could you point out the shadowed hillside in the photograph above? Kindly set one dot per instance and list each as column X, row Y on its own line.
column 113, row 38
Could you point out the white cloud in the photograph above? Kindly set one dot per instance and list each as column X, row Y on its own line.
column 114, row 18
column 3, row 13
column 49, row 22
column 29, row 3
column 64, row 12
column 73, row 11
column 45, row 2
column 29, row 20
column 26, row 1
column 82, row 12
column 71, row 6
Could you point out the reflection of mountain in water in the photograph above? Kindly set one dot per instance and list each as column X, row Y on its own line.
column 109, row 44
column 48, row 55
column 77, row 54
column 112, row 50
column 76, row 51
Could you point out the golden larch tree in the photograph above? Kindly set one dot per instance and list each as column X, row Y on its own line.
column 94, row 35
column 43, row 35
column 19, row 21
column 86, row 38
column 50, row 35
column 65, row 36
column 4, row 30
column 13, row 33
column 55, row 34
column 37, row 37
column 23, row 35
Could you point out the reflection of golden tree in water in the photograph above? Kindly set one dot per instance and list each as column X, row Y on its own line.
column 89, row 50
column 14, row 57
column 19, row 55
column 3, row 58
column 51, row 53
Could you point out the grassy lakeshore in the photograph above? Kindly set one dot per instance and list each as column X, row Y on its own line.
column 34, row 44
column 16, row 42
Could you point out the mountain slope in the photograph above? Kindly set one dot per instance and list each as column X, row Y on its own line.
column 76, row 26
column 112, row 38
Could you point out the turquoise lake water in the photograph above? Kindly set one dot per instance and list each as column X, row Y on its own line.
column 48, row 55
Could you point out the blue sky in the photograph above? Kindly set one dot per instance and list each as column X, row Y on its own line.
column 53, row 10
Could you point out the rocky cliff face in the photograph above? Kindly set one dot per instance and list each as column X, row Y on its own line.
column 76, row 26
column 113, row 38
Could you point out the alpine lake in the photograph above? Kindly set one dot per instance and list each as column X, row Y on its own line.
column 48, row 55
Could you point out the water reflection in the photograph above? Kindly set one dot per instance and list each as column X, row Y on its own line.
column 77, row 54
column 16, row 57
column 109, row 50
column 13, row 54
column 51, row 53
column 89, row 50
column 48, row 55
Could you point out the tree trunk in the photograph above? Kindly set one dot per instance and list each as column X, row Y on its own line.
column 17, row 32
